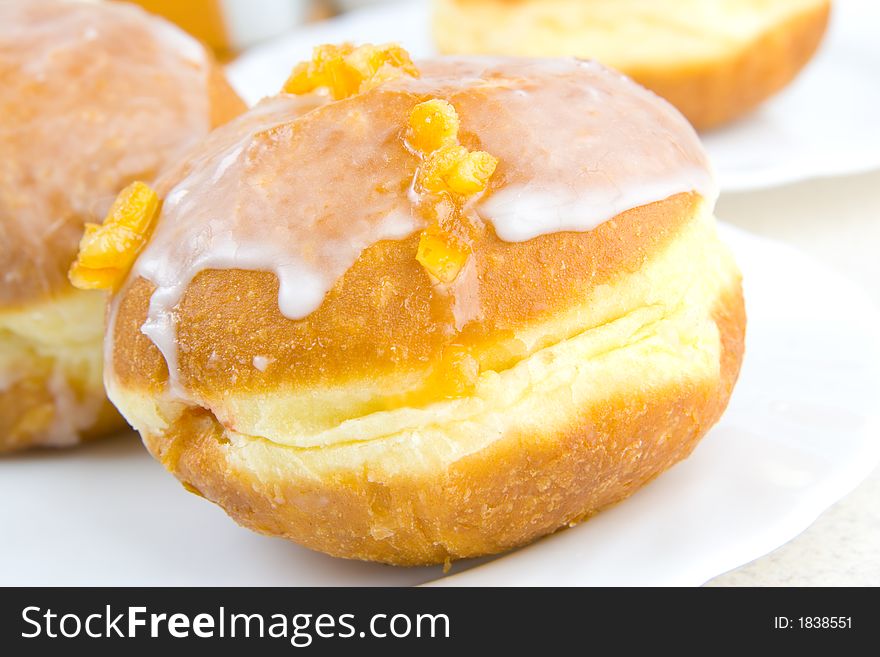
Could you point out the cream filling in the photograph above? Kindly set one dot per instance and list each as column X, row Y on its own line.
column 58, row 339
column 650, row 329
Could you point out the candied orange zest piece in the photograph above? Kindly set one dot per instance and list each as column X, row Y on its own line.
column 455, row 375
column 107, row 251
column 432, row 124
column 441, row 254
column 447, row 166
column 346, row 71
column 470, row 175
column 449, row 172
column 455, row 170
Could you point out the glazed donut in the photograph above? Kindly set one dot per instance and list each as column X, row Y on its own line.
column 714, row 61
column 92, row 97
column 437, row 312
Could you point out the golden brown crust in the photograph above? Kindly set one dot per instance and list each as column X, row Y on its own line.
column 516, row 490
column 713, row 93
column 350, row 335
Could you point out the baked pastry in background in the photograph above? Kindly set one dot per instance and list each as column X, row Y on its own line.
column 714, row 60
column 430, row 312
column 92, row 97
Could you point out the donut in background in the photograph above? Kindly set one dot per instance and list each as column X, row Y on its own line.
column 92, row 97
column 715, row 61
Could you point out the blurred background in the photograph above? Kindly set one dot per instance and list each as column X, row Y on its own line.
column 230, row 26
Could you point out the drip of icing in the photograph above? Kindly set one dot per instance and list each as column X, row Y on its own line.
column 523, row 212
column 300, row 187
column 199, row 233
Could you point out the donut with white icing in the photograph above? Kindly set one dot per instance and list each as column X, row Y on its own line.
column 92, row 96
column 286, row 352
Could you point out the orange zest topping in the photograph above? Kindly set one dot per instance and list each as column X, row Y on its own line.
column 455, row 169
column 432, row 124
column 441, row 253
column 107, row 251
column 447, row 166
column 346, row 71
column 450, row 172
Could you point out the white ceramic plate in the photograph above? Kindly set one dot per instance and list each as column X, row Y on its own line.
column 825, row 123
column 799, row 434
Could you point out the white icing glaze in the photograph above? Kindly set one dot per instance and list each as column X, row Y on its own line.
column 577, row 145
column 262, row 362
column 93, row 96
column 520, row 213
column 300, row 186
